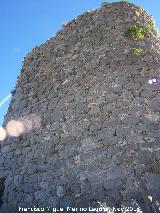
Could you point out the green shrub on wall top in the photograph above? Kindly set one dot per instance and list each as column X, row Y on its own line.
column 138, row 33
column 135, row 32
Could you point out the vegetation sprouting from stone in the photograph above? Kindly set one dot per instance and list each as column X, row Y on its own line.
column 138, row 33
column 149, row 29
column 136, row 51
column 135, row 32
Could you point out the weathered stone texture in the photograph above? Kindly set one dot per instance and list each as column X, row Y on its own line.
column 99, row 133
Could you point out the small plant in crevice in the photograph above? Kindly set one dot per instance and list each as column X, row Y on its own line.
column 138, row 33
column 135, row 32
column 149, row 29
column 136, row 51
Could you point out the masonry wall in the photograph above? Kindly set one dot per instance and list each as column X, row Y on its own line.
column 99, row 132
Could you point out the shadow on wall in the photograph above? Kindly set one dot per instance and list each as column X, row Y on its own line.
column 2, row 180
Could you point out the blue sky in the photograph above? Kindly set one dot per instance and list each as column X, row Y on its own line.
column 25, row 24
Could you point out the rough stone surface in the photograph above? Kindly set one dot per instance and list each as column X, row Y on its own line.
column 91, row 119
column 60, row 191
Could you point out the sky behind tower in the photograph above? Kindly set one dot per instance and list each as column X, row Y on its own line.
column 29, row 23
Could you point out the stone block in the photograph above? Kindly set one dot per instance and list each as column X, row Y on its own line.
column 94, row 110
column 60, row 191
column 28, row 188
column 28, row 198
column 18, row 180
column 53, row 202
column 106, row 133
column 57, row 116
column 144, row 156
column 116, row 89
column 152, row 117
column 119, row 172
column 88, row 144
column 44, row 185
column 132, row 86
column 111, row 97
column 97, row 191
column 155, row 105
column 41, row 196
column 112, row 184
column 140, row 79
column 142, row 44
column 5, row 149
column 153, row 181
column 86, row 189
column 95, row 127
column 67, row 201
column 75, row 187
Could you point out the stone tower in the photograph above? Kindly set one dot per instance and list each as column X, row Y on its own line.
column 90, row 118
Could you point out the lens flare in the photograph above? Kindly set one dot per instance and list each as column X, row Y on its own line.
column 30, row 122
column 4, row 100
column 3, row 134
column 27, row 123
column 14, row 128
